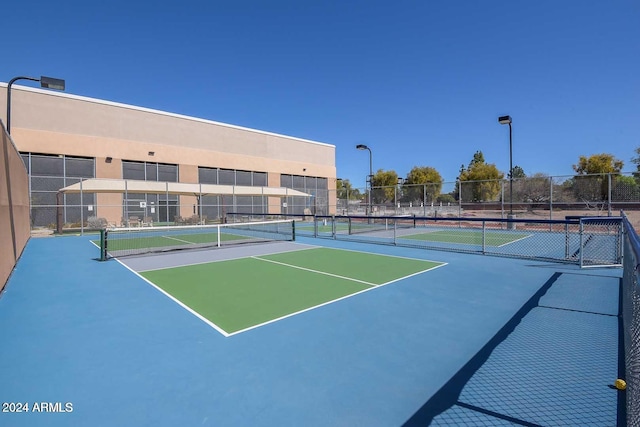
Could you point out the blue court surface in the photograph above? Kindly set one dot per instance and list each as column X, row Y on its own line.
column 478, row 341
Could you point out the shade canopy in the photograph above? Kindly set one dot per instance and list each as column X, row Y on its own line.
column 179, row 188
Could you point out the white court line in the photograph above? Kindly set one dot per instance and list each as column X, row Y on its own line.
column 226, row 334
column 179, row 240
column 513, row 241
column 451, row 233
column 375, row 253
column 333, row 301
column 232, row 259
column 314, row 271
column 180, row 303
column 301, row 311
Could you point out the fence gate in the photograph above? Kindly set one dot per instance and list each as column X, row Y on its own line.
column 600, row 242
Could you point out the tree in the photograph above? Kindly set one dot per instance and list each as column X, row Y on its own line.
column 421, row 180
column 625, row 189
column 636, row 161
column 594, row 188
column 518, row 172
column 345, row 189
column 598, row 164
column 486, row 180
column 533, row 190
column 384, row 185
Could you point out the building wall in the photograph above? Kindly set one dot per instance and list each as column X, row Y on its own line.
column 49, row 122
column 52, row 122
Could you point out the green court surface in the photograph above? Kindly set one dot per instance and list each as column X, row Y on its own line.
column 155, row 240
column 322, row 228
column 341, row 226
column 239, row 294
column 470, row 237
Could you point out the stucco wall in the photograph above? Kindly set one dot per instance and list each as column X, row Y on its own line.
column 14, row 206
column 57, row 123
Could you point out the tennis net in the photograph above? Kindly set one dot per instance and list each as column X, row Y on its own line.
column 119, row 242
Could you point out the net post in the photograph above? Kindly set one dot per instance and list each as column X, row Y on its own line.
column 315, row 226
column 218, row 229
column 581, row 243
column 395, row 223
column 484, row 236
column 293, row 230
column 349, row 225
column 333, row 226
column 103, row 244
column 566, row 239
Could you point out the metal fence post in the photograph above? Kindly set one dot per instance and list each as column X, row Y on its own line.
column 581, row 244
column 550, row 200
column 609, row 193
column 484, row 234
column 81, row 211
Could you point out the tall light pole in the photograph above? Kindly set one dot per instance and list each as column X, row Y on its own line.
column 506, row 120
column 45, row 82
column 364, row 147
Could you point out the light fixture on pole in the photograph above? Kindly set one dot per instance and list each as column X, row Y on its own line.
column 506, row 120
column 45, row 82
column 364, row 147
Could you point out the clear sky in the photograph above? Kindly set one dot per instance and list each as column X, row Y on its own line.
column 420, row 82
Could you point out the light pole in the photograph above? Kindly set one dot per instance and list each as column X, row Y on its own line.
column 364, row 147
column 506, row 120
column 45, row 82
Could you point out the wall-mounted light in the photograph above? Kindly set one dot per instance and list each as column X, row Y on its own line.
column 45, row 82
column 108, row 159
column 152, row 153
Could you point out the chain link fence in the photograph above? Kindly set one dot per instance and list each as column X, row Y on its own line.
column 535, row 197
column 54, row 211
column 631, row 322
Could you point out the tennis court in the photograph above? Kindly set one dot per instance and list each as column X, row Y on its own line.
column 469, row 237
column 266, row 330
column 234, row 295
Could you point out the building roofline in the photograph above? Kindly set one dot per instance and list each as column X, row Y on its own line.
column 153, row 111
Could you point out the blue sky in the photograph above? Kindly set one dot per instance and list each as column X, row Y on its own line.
column 420, row 82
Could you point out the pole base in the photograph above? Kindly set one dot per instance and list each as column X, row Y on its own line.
column 511, row 225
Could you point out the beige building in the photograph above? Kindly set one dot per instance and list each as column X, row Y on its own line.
column 65, row 138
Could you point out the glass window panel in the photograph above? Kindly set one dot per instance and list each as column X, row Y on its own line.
column 79, row 167
column 243, row 178
column 70, row 181
column 258, row 204
column 243, row 204
column 152, row 171
column 226, row 177
column 73, row 199
column 260, row 179
column 133, row 170
column 47, row 165
column 207, row 175
column 38, row 198
column 285, row 181
column 323, row 184
column 168, row 173
column 72, row 215
column 298, row 182
column 310, row 183
column 46, row 183
column 44, row 216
